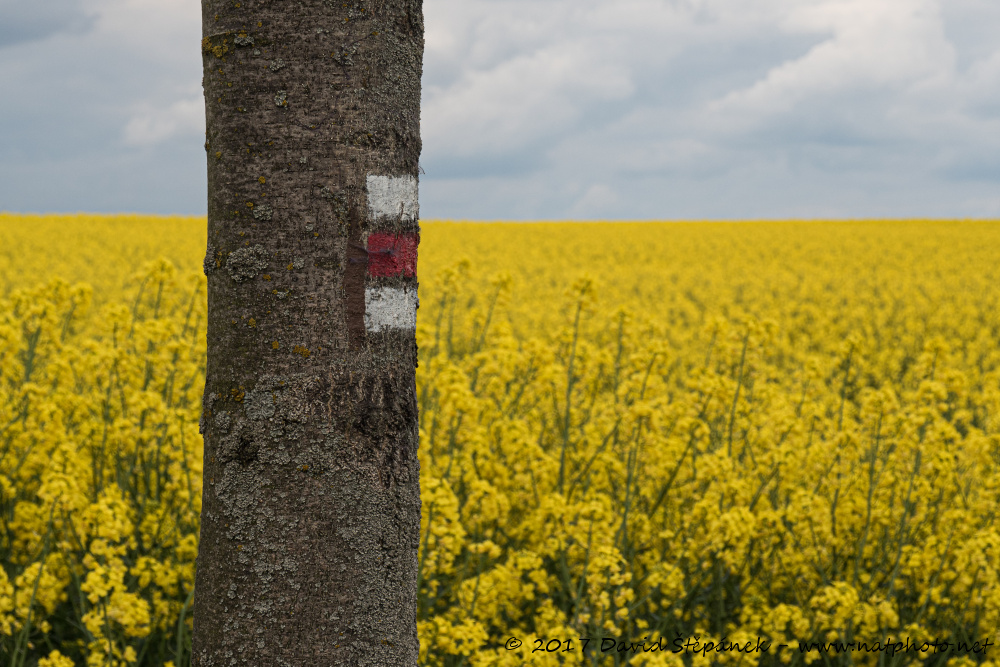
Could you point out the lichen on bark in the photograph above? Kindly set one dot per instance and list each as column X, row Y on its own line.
column 245, row 263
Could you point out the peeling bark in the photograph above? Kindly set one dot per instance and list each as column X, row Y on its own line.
column 311, row 506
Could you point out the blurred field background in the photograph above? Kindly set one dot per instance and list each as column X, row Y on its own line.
column 787, row 430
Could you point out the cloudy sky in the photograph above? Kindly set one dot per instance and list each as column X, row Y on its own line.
column 556, row 109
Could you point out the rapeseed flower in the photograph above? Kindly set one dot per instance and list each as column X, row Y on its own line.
column 778, row 431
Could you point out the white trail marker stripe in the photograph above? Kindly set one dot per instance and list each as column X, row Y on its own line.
column 390, row 308
column 388, row 196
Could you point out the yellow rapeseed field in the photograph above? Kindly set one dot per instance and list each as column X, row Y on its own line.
column 670, row 438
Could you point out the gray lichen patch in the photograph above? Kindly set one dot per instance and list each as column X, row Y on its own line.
column 242, row 446
column 281, row 99
column 298, row 263
column 263, row 212
column 223, row 421
column 259, row 404
column 246, row 263
column 345, row 56
column 276, row 64
column 260, row 401
column 208, row 264
column 243, row 40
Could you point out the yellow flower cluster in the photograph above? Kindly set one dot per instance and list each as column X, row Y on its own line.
column 633, row 433
column 100, row 455
column 731, row 431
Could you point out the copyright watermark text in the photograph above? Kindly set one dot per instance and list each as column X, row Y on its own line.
column 694, row 645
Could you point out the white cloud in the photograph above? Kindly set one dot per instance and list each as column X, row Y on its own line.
column 875, row 45
column 502, row 81
column 160, row 35
column 160, row 31
column 521, row 100
column 598, row 201
column 150, row 125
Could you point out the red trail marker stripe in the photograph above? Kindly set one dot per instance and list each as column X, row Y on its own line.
column 392, row 254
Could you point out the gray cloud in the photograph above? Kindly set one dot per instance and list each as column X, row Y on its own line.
column 22, row 21
column 107, row 119
column 558, row 108
column 732, row 109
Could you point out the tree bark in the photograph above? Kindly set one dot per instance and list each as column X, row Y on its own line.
column 311, row 508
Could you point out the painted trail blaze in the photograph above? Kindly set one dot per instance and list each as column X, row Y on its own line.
column 390, row 308
column 392, row 205
column 392, row 198
column 392, row 254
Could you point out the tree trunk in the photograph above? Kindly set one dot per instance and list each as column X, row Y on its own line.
column 311, row 504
